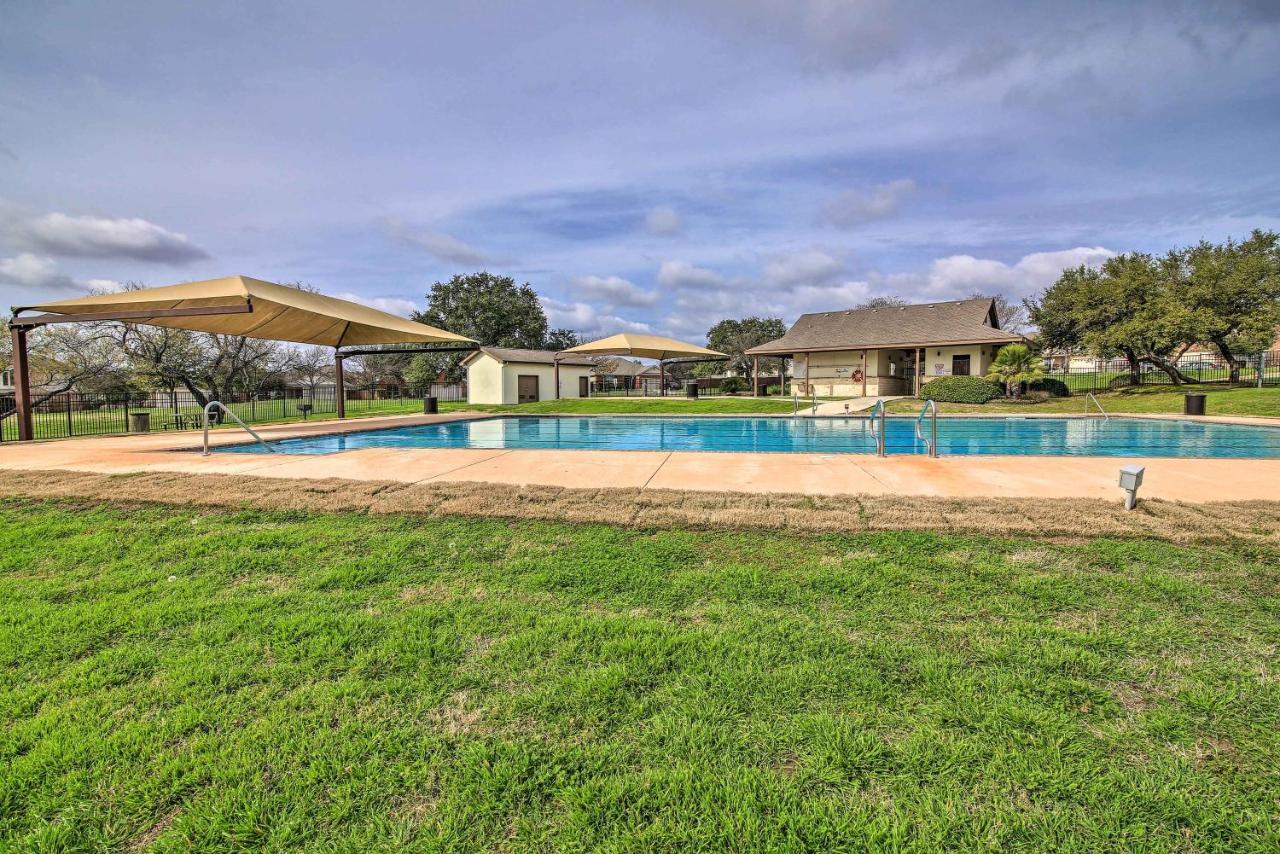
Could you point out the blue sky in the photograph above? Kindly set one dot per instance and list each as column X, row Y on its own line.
column 649, row 166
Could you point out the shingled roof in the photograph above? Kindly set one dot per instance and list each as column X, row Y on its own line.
column 970, row 321
column 528, row 357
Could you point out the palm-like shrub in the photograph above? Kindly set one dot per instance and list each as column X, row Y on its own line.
column 1014, row 365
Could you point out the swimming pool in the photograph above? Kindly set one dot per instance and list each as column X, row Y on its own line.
column 1118, row 437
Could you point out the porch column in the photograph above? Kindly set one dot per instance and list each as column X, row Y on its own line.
column 22, row 383
column 339, row 388
column 864, row 373
column 919, row 369
column 755, row 376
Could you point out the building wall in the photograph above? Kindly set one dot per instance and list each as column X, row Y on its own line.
column 490, row 381
column 937, row 360
column 485, row 380
column 832, row 373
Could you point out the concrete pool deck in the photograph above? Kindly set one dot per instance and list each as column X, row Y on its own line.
column 1193, row 480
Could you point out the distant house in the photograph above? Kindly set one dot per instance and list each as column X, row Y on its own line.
column 892, row 350
column 6, row 381
column 506, row 375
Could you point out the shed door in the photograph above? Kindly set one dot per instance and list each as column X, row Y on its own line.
column 584, row 387
column 526, row 388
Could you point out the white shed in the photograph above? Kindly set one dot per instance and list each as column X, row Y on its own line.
column 504, row 375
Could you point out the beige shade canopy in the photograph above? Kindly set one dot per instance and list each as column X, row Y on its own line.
column 274, row 312
column 644, row 346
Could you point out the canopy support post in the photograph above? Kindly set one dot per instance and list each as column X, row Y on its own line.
column 556, row 362
column 662, row 378
column 22, row 383
column 339, row 388
column 755, row 376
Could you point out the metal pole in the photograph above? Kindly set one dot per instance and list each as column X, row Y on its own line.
column 557, row 364
column 339, row 390
column 662, row 378
column 22, row 383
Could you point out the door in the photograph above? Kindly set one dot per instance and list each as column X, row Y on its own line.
column 959, row 366
column 584, row 387
column 526, row 388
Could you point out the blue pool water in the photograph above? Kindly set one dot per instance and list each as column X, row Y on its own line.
column 1118, row 437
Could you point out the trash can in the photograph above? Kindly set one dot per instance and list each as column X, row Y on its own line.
column 430, row 405
column 1193, row 404
column 691, row 390
column 139, row 422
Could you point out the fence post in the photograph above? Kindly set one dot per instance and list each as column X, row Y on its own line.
column 70, row 428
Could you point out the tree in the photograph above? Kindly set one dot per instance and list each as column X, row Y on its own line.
column 1231, row 292
column 1013, row 317
column 311, row 365
column 1014, row 365
column 1124, row 308
column 561, row 339
column 492, row 310
column 881, row 302
column 735, row 337
column 62, row 357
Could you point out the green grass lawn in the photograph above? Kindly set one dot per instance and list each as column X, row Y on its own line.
column 1222, row 400
column 220, row 680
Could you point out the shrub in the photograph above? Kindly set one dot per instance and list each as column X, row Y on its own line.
column 961, row 390
column 732, row 385
column 1051, row 386
column 773, row 389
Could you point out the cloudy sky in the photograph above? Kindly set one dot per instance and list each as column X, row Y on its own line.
column 652, row 165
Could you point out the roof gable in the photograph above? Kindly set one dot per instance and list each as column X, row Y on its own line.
column 971, row 321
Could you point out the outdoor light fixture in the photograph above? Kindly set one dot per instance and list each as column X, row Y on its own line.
column 1130, row 480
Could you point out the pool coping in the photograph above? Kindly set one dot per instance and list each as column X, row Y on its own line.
column 959, row 477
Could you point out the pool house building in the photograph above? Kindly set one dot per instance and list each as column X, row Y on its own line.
column 890, row 350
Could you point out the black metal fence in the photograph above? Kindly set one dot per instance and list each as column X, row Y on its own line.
column 1083, row 374
column 79, row 414
column 610, row 386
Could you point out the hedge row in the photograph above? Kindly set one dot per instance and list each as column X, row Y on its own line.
column 961, row 390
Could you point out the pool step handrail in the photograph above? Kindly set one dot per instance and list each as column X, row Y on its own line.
column 878, row 408
column 210, row 406
column 932, row 441
column 1088, row 397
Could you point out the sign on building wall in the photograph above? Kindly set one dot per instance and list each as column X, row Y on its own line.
column 800, row 368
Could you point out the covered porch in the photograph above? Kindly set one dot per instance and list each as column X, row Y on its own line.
column 886, row 371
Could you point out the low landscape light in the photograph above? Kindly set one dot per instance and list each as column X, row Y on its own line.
column 1130, row 480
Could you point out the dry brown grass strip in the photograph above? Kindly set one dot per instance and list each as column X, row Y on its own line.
column 1253, row 521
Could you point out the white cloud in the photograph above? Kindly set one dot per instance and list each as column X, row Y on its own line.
column 958, row 275
column 682, row 274
column 31, row 277
column 586, row 320
column 855, row 207
column 100, row 237
column 811, row 267
column 444, row 247
column 614, row 290
column 391, row 305
column 104, row 286
column 663, row 221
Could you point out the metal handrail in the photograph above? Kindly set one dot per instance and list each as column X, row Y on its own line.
column 208, row 407
column 1088, row 397
column 878, row 434
column 932, row 442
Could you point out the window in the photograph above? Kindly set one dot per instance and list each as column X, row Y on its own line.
column 959, row 366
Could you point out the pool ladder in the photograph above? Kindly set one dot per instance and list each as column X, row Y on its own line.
column 795, row 403
column 1088, row 397
column 930, row 441
column 878, row 434
column 217, row 404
